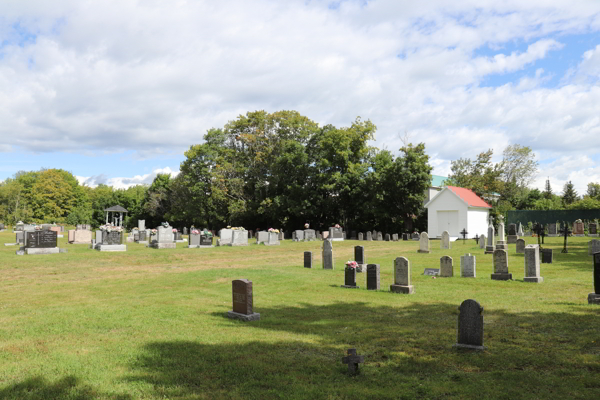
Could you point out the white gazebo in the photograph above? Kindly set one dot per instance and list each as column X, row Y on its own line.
column 116, row 214
column 455, row 209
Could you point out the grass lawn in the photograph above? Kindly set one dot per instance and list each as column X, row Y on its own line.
column 149, row 324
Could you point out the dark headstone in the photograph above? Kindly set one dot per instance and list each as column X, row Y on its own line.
column 405, row 236
column 592, row 228
column 431, row 271
column 111, row 238
column 1, row 227
column 546, row 256
column 352, row 359
column 470, row 326
column 359, row 255
column 40, row 239
column 373, row 277
column 350, row 278
column 594, row 298
column 206, row 240
column 387, row 237
column 512, row 229
column 308, row 259
column 242, row 301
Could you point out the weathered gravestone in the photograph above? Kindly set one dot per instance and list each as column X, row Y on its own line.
column 373, row 276
column 379, row 236
column 242, row 301
column 578, row 228
column 501, row 266
column 546, row 256
column 203, row 239
column 593, row 247
column 40, row 242
column 387, row 237
column 369, row 236
column 500, row 242
column 309, row 234
column 350, row 278
column 446, row 267
column 489, row 248
column 327, row 254
column 319, row 236
column 360, row 236
column 262, row 237
column 395, row 237
column 111, row 241
column 468, row 266
column 282, row 236
column 164, row 238
column 352, row 359
column 532, row 264
column 402, row 277
column 142, row 224
column 482, row 241
column 416, row 236
column 336, row 234
column 240, row 238
column 360, row 258
column 308, row 259
column 424, row 243
column 470, row 326
column 273, row 239
column 1, row 227
column 552, row 230
column 445, row 242
column 592, row 229
column 298, row 235
column 520, row 246
column 20, row 237
column 225, row 237
column 81, row 236
column 594, row 298
column 512, row 234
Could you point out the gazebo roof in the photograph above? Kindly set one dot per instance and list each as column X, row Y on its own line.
column 116, row 209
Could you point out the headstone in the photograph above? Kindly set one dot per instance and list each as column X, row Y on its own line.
column 424, row 243
column 319, row 236
column 374, row 233
column 578, row 229
column 501, row 266
column 532, row 264
column 445, row 242
column 325, row 235
column 402, row 277
column 501, row 243
column 416, row 236
column 98, row 236
column 298, row 235
column 20, row 237
column 593, row 247
column 309, row 234
column 594, row 298
column 250, row 234
column 446, row 267
column 194, row 240
column 395, row 237
column 282, row 236
column 470, row 326
column 1, row 227
column 520, row 230
column 263, row 237
column 387, row 237
column 360, row 236
column 40, row 242
column 350, row 278
column 336, row 234
column 327, row 254
column 142, row 224
column 352, row 359
column 164, row 238
column 592, row 229
column 226, row 237
column 360, row 257
column 243, row 300
column 405, row 236
column 520, row 246
column 369, row 236
column 489, row 248
column 553, row 230
column 80, row 236
column 379, row 236
column 546, row 256
column 112, row 237
column 353, row 235
column 71, row 236
column 512, row 229
column 185, row 231
column 431, row 271
column 308, row 259
column 482, row 241
column 273, row 239
column 373, row 277
column 468, row 266
column 240, row 238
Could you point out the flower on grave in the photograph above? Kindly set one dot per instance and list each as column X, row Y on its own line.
column 228, row 226
column 238, row 228
column 174, row 230
column 38, row 228
column 352, row 264
column 306, row 226
column 578, row 221
column 195, row 232
column 153, row 231
column 136, row 229
column 273, row 230
column 337, row 226
column 165, row 224
column 207, row 233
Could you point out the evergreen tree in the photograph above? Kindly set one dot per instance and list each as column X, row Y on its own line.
column 548, row 190
column 569, row 193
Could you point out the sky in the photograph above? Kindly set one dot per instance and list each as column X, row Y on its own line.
column 116, row 91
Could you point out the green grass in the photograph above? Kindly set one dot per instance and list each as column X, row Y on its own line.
column 149, row 324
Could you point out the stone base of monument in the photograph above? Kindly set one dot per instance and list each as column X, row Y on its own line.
column 423, row 251
column 11, row 244
column 402, row 289
column 489, row 250
column 593, row 235
column 336, row 239
column 579, row 235
column 512, row 239
column 111, row 247
column 500, row 276
column 181, row 241
column 272, row 244
column 60, row 236
column 593, row 298
column 350, row 287
column 468, row 346
column 243, row 317
column 361, row 268
column 501, row 245
column 47, row 250
column 130, row 239
column 163, row 245
column 237, row 244
column 534, row 279
column 197, row 246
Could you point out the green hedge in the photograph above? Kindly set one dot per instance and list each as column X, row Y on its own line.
column 550, row 216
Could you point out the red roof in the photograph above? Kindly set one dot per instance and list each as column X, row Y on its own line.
column 469, row 197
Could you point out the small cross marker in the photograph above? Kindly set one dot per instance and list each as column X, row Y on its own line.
column 352, row 359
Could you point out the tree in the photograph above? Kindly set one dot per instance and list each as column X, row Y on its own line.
column 569, row 193
column 593, row 190
column 481, row 176
column 519, row 165
column 54, row 194
column 548, row 190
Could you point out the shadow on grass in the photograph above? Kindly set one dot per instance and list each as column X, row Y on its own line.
column 408, row 354
column 69, row 388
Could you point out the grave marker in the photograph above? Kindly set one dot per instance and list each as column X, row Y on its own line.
column 242, row 301
column 352, row 359
column 468, row 266
column 594, row 298
column 327, row 254
column 424, row 243
column 546, row 256
column 532, row 264
column 373, row 277
column 402, row 277
column 445, row 242
column 308, row 259
column 501, row 266
column 470, row 325
column 446, row 267
column 520, row 246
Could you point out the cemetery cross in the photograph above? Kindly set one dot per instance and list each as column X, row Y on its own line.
column 464, row 234
column 352, row 359
column 566, row 232
column 477, row 238
column 539, row 231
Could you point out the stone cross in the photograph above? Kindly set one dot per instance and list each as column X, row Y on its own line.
column 470, row 326
column 477, row 239
column 464, row 234
column 352, row 359
column 566, row 232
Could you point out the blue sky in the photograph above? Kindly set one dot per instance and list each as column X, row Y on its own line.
column 116, row 91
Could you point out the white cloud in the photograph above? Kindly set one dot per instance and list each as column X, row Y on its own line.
column 122, row 182
column 152, row 77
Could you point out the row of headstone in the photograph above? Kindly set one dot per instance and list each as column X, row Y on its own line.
column 39, row 242
column 468, row 266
